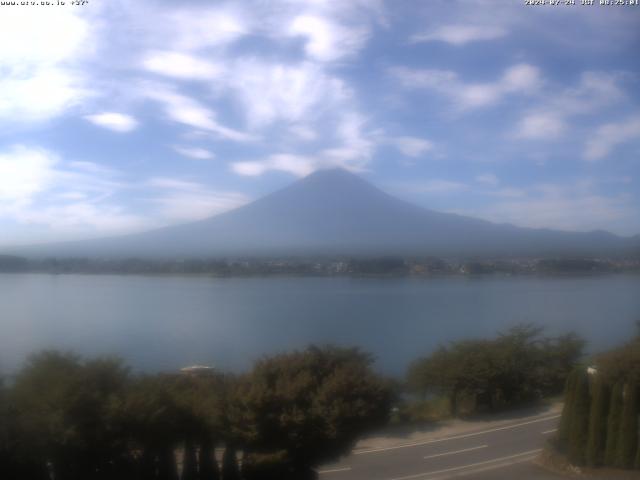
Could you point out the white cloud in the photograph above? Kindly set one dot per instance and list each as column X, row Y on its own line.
column 549, row 121
column 194, row 152
column 355, row 147
column 436, row 186
column 488, row 179
column 172, row 183
column 82, row 218
column 517, row 79
column 24, row 172
column 461, row 34
column 199, row 28
column 197, row 206
column 38, row 188
column 541, row 126
column 117, row 122
column 187, row 111
column 41, row 94
column 572, row 207
column 297, row 165
column 275, row 91
column 303, row 132
column 352, row 152
column 40, row 50
column 184, row 200
column 327, row 40
column 182, row 66
column 412, row 146
column 609, row 136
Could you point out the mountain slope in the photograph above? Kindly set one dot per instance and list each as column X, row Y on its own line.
column 336, row 212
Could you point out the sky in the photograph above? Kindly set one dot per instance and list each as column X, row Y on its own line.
column 120, row 116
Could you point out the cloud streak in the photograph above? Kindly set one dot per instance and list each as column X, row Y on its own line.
column 516, row 80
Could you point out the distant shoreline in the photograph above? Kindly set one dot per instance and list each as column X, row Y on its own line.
column 373, row 267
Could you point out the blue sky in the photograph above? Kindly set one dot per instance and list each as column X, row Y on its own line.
column 121, row 116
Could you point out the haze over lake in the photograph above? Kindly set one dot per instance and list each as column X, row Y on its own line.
column 165, row 322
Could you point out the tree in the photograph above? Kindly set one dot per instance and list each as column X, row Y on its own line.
column 518, row 366
column 579, row 423
column 598, row 422
column 613, row 424
column 621, row 364
column 230, row 469
column 567, row 411
column 200, row 400
column 559, row 356
column 65, row 409
column 207, row 464
column 155, row 423
column 628, row 440
column 313, row 405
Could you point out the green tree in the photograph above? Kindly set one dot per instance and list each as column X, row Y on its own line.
column 66, row 413
column 613, row 424
column 230, row 470
column 621, row 364
column 598, row 422
column 628, row 440
column 200, row 401
column 313, row 405
column 579, row 423
column 559, row 356
column 564, row 427
column 518, row 366
column 155, row 422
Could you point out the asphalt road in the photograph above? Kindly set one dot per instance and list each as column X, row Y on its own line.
column 505, row 452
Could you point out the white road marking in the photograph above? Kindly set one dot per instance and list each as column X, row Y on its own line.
column 487, row 468
column 334, row 470
column 456, row 437
column 471, row 465
column 549, row 431
column 456, row 451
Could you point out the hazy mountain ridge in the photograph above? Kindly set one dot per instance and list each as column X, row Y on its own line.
column 337, row 212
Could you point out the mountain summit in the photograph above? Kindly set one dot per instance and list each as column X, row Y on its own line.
column 337, row 212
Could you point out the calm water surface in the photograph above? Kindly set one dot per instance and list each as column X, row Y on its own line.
column 167, row 322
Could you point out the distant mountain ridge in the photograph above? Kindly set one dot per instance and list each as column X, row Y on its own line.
column 335, row 212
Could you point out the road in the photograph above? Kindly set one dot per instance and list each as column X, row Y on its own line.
column 505, row 452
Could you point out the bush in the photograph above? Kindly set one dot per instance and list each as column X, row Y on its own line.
column 269, row 466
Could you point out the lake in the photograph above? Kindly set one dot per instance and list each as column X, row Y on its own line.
column 165, row 322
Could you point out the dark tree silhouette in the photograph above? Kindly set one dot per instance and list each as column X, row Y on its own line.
column 628, row 441
column 598, row 422
column 579, row 423
column 613, row 424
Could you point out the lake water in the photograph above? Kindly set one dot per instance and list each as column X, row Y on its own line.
column 162, row 323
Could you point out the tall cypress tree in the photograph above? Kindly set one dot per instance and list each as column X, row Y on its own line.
column 189, row 462
column 567, row 411
column 598, row 422
column 579, row 425
column 230, row 470
column 208, row 465
column 628, row 441
column 613, row 424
